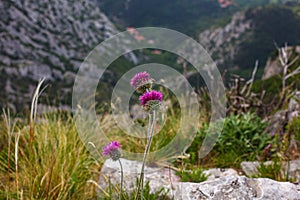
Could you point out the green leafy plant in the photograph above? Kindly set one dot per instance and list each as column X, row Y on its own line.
column 243, row 134
column 195, row 175
column 242, row 138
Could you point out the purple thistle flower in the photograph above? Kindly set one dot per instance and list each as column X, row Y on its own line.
column 112, row 150
column 151, row 100
column 150, row 96
column 141, row 81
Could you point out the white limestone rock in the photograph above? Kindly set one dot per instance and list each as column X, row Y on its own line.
column 158, row 177
column 215, row 173
column 237, row 188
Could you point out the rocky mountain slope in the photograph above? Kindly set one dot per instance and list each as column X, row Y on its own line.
column 51, row 38
column 222, row 42
column 46, row 39
column 252, row 35
column 187, row 16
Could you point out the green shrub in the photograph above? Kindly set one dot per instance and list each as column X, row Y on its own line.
column 242, row 138
column 243, row 134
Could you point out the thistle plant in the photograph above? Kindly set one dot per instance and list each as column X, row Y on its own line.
column 113, row 151
column 151, row 101
column 142, row 82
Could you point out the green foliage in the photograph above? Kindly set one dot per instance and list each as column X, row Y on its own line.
column 230, row 159
column 4, row 160
column 273, row 171
column 194, row 175
column 56, row 166
column 242, row 138
column 244, row 134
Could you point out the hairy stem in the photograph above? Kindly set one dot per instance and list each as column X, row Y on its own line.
column 149, row 140
column 121, row 184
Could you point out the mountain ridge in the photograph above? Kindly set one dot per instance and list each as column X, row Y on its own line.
column 251, row 35
column 42, row 39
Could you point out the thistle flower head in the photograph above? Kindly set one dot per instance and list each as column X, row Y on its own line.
column 151, row 100
column 112, row 150
column 141, row 81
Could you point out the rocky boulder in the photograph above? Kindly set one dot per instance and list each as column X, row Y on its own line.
column 221, row 184
column 158, row 177
column 237, row 187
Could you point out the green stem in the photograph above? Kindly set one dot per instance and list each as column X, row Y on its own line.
column 121, row 187
column 149, row 140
